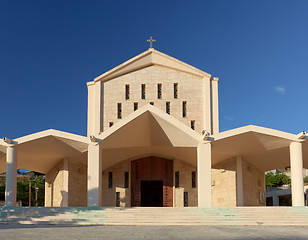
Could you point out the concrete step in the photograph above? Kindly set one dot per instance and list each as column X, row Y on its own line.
column 274, row 216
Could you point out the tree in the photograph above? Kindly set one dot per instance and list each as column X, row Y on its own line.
column 276, row 180
column 306, row 180
column 37, row 181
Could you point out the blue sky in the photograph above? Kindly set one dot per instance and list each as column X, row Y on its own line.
column 50, row 49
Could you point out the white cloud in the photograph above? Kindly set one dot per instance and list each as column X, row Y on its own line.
column 280, row 90
column 228, row 118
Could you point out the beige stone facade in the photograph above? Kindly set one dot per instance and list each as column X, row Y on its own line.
column 113, row 92
column 160, row 113
column 225, row 188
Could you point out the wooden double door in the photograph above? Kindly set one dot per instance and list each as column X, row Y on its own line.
column 152, row 182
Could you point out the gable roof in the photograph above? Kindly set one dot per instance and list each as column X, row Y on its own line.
column 149, row 58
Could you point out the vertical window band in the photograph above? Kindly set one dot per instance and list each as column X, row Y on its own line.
column 193, row 179
column 119, row 110
column 168, row 107
column 142, row 91
column 184, row 110
column 110, row 180
column 135, row 106
column 177, row 179
column 175, row 90
column 126, row 179
column 192, row 124
column 159, row 89
column 126, row 91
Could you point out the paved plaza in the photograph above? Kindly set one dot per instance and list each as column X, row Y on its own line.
column 151, row 232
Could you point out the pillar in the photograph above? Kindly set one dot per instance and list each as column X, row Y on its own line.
column 94, row 175
column 239, row 182
column 204, row 168
column 207, row 110
column 65, row 183
column 11, row 177
column 296, row 162
column 214, row 104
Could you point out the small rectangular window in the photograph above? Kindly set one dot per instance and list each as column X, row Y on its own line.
column 142, row 91
column 135, row 106
column 175, row 90
column 119, row 110
column 193, row 179
column 118, row 199
column 126, row 91
column 159, row 90
column 177, row 179
column 152, row 103
column 126, row 180
column 184, row 109
column 168, row 107
column 192, row 124
column 110, row 124
column 185, row 199
column 110, row 180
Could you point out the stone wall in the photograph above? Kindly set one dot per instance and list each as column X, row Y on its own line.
column 54, row 186
column 253, row 185
column 113, row 92
column 77, row 182
column 109, row 194
column 224, row 184
column 72, row 191
column 185, row 184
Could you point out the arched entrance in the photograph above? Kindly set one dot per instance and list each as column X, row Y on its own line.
column 152, row 182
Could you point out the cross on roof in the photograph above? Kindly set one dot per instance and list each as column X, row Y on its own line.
column 151, row 40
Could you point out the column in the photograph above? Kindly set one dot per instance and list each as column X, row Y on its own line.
column 11, row 177
column 65, row 183
column 239, row 181
column 204, row 168
column 94, row 175
column 207, row 106
column 296, row 162
column 215, row 117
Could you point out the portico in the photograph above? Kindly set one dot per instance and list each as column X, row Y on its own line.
column 155, row 134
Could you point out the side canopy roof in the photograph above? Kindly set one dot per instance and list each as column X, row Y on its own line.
column 41, row 151
column 149, row 58
column 265, row 148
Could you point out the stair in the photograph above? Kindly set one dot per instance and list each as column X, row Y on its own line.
column 270, row 216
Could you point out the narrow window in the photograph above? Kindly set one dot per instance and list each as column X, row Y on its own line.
column 177, row 179
column 192, row 124
column 185, row 199
column 110, row 124
column 126, row 91
column 193, row 179
column 117, row 199
column 152, row 103
column 135, row 106
column 168, row 107
column 184, row 109
column 110, row 180
column 126, row 177
column 159, row 90
column 119, row 110
column 142, row 91
column 175, row 90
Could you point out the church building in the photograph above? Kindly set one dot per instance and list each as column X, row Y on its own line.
column 154, row 141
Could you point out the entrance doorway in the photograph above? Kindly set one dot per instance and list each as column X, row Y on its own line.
column 151, row 193
column 152, row 182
